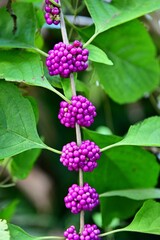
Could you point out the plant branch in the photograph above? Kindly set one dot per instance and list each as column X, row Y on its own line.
column 78, row 131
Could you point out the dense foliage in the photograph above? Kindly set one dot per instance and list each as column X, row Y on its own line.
column 116, row 110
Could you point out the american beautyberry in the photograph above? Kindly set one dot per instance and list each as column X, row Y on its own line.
column 81, row 198
column 82, row 157
column 80, row 111
column 52, row 13
column 71, row 234
column 65, row 59
column 90, row 232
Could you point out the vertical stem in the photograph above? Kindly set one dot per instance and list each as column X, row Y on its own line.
column 78, row 131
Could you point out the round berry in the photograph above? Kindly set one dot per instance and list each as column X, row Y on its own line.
column 70, row 58
column 52, row 15
column 80, row 111
column 83, row 198
column 82, row 157
column 90, row 232
column 71, row 234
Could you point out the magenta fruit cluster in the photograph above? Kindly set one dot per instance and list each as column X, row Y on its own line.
column 80, row 111
column 90, row 232
column 67, row 58
column 82, row 157
column 52, row 14
column 83, row 198
column 71, row 234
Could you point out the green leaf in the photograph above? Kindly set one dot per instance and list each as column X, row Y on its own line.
column 145, row 133
column 22, row 163
column 107, row 15
column 26, row 26
column 18, row 234
column 135, row 194
column 124, row 167
column 4, row 233
column 147, row 219
column 21, row 66
column 9, row 210
column 17, row 122
column 135, row 71
column 97, row 55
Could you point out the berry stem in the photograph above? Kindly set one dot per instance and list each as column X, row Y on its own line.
column 55, row 4
column 53, row 150
column 49, row 237
column 41, row 52
column 112, row 232
column 91, row 39
column 60, row 95
column 110, row 146
column 78, row 131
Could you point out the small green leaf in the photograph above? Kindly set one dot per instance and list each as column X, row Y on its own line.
column 17, row 122
column 106, row 15
column 4, row 233
column 135, row 194
column 9, row 210
column 147, row 219
column 97, row 55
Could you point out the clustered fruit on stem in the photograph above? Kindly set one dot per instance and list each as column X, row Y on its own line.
column 65, row 59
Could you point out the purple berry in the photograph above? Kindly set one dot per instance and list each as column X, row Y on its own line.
column 81, row 198
column 74, row 56
column 80, row 111
column 90, row 232
column 71, row 234
column 52, row 15
column 82, row 157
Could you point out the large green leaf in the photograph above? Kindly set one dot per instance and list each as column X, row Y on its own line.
column 135, row 69
column 22, row 66
column 97, row 55
column 106, row 15
column 17, row 122
column 4, row 233
column 26, row 26
column 124, row 167
column 8, row 211
column 147, row 220
column 135, row 194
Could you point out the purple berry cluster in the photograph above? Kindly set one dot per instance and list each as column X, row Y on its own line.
column 82, row 157
column 52, row 14
column 80, row 111
column 90, row 232
column 71, row 234
column 83, row 198
column 65, row 59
